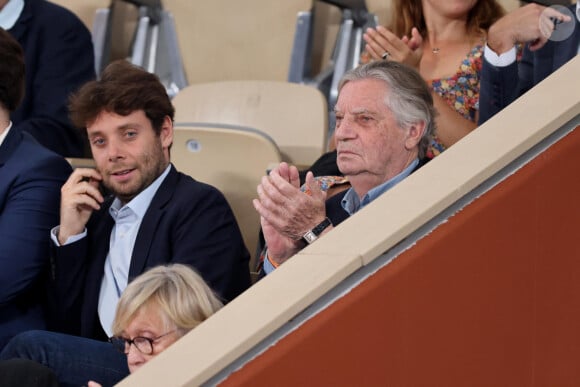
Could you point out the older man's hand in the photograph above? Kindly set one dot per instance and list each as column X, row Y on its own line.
column 286, row 212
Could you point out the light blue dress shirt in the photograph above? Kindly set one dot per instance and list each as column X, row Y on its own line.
column 128, row 219
column 10, row 13
column 352, row 203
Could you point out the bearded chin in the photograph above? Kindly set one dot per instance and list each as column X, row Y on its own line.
column 123, row 192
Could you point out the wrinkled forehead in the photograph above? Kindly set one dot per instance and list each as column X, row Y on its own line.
column 363, row 95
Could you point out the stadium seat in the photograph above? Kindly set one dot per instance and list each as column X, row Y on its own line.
column 295, row 116
column 232, row 159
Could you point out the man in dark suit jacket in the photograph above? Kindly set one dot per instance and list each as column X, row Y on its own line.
column 59, row 58
column 157, row 216
column 30, row 181
column 502, row 78
column 384, row 122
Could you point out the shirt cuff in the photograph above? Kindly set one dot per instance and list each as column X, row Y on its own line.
column 70, row 239
column 501, row 60
column 268, row 264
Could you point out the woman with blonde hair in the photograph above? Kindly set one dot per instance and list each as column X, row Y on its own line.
column 444, row 41
column 157, row 308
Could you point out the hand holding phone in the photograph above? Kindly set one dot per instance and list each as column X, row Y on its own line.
column 80, row 196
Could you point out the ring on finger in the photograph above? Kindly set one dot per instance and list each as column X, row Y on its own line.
column 386, row 55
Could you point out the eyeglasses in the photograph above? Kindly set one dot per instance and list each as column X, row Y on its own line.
column 143, row 344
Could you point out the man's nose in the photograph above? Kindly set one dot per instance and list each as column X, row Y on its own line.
column 114, row 150
column 344, row 130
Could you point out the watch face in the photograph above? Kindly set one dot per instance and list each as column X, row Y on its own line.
column 313, row 234
column 310, row 237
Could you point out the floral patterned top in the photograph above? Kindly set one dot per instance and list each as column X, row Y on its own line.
column 460, row 91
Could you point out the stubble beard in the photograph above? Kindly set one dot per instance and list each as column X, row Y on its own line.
column 149, row 169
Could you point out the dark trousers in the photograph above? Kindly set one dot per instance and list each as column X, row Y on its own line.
column 74, row 360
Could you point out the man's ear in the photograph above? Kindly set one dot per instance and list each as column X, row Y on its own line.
column 414, row 135
column 166, row 132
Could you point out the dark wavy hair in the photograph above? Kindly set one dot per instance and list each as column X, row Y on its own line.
column 122, row 89
column 12, row 71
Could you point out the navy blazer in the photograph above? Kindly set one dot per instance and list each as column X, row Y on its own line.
column 30, row 181
column 500, row 86
column 59, row 58
column 187, row 222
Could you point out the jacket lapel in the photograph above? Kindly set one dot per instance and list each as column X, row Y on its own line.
column 149, row 225
column 99, row 248
column 10, row 143
column 18, row 30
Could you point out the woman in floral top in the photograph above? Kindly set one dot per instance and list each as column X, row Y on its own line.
column 443, row 40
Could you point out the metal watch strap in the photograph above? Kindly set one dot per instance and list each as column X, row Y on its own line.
column 312, row 235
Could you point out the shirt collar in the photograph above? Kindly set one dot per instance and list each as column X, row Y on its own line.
column 5, row 132
column 140, row 203
column 10, row 13
column 351, row 202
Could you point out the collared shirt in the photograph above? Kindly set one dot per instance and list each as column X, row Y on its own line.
column 502, row 60
column 10, row 13
column 509, row 57
column 128, row 219
column 5, row 132
column 351, row 202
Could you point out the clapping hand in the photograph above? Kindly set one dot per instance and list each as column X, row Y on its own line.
column 383, row 44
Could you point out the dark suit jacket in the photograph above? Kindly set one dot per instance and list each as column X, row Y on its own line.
column 500, row 86
column 187, row 222
column 59, row 58
column 30, row 181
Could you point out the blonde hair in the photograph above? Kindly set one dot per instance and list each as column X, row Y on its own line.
column 182, row 297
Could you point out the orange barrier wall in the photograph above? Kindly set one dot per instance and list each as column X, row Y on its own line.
column 489, row 298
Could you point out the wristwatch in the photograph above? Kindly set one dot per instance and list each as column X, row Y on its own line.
column 312, row 235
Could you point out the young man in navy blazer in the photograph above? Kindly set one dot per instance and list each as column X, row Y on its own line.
column 59, row 57
column 156, row 215
column 30, row 181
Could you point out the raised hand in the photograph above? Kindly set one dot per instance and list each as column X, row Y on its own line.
column 381, row 41
column 80, row 196
column 531, row 24
column 286, row 212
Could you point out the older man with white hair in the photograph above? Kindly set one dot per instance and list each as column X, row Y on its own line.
column 384, row 121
